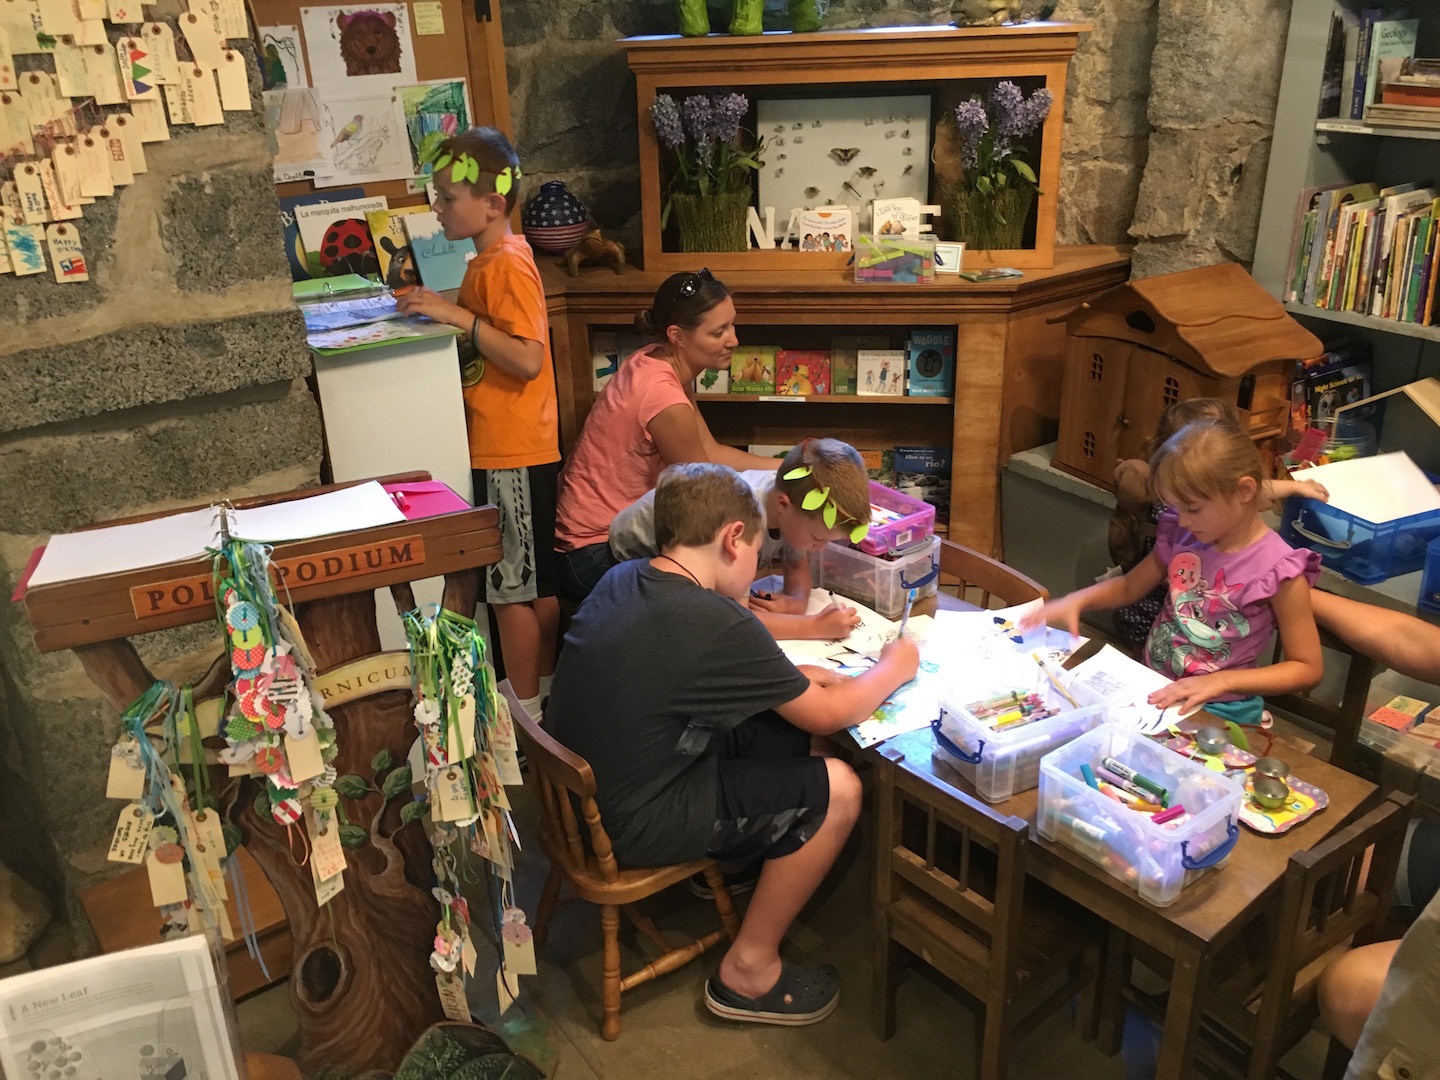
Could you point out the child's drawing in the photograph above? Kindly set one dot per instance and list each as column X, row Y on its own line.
column 369, row 141
column 358, row 48
column 283, row 63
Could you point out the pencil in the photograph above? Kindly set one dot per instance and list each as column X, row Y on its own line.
column 1055, row 682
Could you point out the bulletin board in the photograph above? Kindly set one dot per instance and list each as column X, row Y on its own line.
column 470, row 47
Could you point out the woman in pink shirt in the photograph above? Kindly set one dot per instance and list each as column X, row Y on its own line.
column 644, row 420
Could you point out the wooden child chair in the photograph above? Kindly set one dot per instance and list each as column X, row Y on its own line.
column 562, row 780
column 993, row 578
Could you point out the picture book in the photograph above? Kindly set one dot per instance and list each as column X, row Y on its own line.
column 608, row 350
column 931, row 367
column 991, row 273
column 802, row 372
column 1389, row 39
column 843, row 351
column 828, row 228
column 879, row 463
column 1358, row 28
column 294, row 248
column 392, row 246
column 924, row 472
column 713, row 381
column 752, row 369
column 880, row 372
column 439, row 262
column 337, row 237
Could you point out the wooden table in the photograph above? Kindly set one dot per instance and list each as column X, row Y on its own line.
column 1209, row 913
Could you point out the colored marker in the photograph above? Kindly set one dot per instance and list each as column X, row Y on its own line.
column 1125, row 771
column 1089, row 775
column 1128, row 786
column 1169, row 815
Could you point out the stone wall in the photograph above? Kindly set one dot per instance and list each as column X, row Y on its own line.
column 176, row 374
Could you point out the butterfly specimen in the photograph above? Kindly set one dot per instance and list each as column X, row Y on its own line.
column 866, row 171
column 844, row 154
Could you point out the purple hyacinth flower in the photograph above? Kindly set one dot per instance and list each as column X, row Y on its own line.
column 665, row 115
column 1005, row 99
column 726, row 112
column 698, row 121
column 973, row 122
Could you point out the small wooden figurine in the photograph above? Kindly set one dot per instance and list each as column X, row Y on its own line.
column 592, row 248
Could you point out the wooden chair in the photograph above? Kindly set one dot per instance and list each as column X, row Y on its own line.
column 992, row 577
column 1262, row 997
column 562, row 780
column 950, row 887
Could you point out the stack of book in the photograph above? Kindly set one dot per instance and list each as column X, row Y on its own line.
column 1361, row 44
column 1409, row 98
column 1367, row 249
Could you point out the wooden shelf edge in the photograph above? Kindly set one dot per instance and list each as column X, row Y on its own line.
column 1332, row 126
column 1372, row 322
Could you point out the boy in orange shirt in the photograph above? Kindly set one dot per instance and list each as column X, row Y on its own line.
column 509, row 388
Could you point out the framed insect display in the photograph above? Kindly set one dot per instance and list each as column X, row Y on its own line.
column 844, row 151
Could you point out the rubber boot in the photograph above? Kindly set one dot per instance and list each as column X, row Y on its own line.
column 746, row 19
column 804, row 16
column 694, row 19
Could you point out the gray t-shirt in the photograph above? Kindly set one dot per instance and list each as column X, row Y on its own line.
column 655, row 671
column 632, row 533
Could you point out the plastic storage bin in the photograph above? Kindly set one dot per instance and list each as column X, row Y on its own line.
column 877, row 583
column 899, row 259
column 915, row 523
column 999, row 762
column 1156, row 860
column 1430, row 580
column 1359, row 549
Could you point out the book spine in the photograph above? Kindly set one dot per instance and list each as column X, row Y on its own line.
column 1302, row 258
column 1420, row 261
column 1427, row 262
column 1430, row 291
column 1368, row 18
column 1317, row 247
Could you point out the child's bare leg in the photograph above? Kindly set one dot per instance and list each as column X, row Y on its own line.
column 1350, row 987
column 547, row 613
column 522, row 641
column 752, row 965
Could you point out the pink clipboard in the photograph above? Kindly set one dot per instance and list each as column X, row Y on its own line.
column 425, row 499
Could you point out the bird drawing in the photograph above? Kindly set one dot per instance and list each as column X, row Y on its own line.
column 350, row 130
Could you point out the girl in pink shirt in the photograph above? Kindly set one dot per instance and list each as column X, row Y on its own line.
column 644, row 420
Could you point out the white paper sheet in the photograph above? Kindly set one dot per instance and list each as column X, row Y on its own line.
column 369, row 54
column 1112, row 674
column 1378, row 489
column 182, row 536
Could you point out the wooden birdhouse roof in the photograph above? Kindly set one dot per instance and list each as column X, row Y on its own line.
column 1216, row 319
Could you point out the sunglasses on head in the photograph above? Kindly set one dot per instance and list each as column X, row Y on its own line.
column 692, row 283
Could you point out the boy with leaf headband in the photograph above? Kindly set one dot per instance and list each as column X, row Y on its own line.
column 820, row 493
column 509, row 388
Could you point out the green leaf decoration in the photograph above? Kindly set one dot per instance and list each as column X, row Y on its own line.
column 798, row 473
column 382, row 760
column 233, row 837
column 457, row 172
column 397, row 783
column 261, row 805
column 472, row 171
column 413, row 811
column 859, row 532
column 829, row 515
column 503, row 181
column 444, row 160
column 353, row 836
column 814, row 498
column 352, row 786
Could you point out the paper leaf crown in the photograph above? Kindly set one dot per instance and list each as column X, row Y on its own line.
column 465, row 169
column 816, row 498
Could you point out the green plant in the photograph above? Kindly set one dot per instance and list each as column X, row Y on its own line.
column 704, row 133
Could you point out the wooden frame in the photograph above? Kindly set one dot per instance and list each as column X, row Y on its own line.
column 850, row 58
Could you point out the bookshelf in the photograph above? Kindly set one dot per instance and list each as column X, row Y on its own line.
column 1308, row 152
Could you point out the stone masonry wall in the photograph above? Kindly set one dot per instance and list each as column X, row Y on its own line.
column 176, row 374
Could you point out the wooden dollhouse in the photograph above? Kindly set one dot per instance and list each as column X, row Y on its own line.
column 1139, row 348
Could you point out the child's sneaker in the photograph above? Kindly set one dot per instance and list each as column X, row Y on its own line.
column 736, row 884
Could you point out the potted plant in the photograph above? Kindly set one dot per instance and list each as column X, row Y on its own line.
column 709, row 187
column 989, row 205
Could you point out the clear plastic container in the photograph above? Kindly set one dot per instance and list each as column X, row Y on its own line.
column 901, row 259
column 1361, row 550
column 916, row 521
column 1002, row 762
column 1156, row 860
column 1430, row 580
column 878, row 583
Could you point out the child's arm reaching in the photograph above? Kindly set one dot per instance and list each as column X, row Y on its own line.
column 1277, row 491
column 1102, row 596
column 1300, row 670
column 835, row 703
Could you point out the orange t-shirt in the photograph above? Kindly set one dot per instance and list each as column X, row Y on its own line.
column 512, row 422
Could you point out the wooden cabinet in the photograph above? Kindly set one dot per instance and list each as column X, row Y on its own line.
column 1010, row 341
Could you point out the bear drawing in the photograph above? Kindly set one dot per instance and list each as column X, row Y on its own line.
column 369, row 43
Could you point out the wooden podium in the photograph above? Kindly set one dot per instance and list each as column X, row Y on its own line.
column 361, row 981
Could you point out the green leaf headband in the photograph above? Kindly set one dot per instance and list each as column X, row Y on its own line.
column 816, row 498
column 466, row 169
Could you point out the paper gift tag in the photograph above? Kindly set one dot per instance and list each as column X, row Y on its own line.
column 127, row 775
column 303, row 754
column 115, row 153
column 14, row 125
column 137, row 69
column 203, row 37
column 66, row 161
column 32, row 195
column 232, row 19
column 167, row 880
column 149, row 118
column 125, row 128
column 451, row 797
column 326, row 889
column 325, row 847
column 58, row 17
column 131, row 841
column 468, row 955
column 91, row 9
column 91, row 32
column 208, row 829
column 460, row 736
column 96, row 180
column 177, row 103
column 124, row 11
column 103, row 68
column 203, row 96
column 66, row 258
column 7, row 62
column 20, row 19
column 5, row 267
column 27, row 253
column 70, row 68
column 519, row 942
column 47, row 110
column 507, row 988
column 234, row 83
column 60, row 210
column 158, row 41
column 209, row 875
column 452, row 997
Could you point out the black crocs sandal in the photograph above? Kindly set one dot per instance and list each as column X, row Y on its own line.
column 804, row 994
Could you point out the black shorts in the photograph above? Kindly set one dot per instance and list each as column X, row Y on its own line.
column 525, row 498
column 772, row 794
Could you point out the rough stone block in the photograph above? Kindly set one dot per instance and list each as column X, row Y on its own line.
column 1199, row 63
column 151, row 364
column 222, row 228
column 583, row 118
column 1173, row 186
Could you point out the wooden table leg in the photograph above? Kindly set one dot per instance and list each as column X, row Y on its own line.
column 1182, row 1014
column 887, row 953
column 1114, row 974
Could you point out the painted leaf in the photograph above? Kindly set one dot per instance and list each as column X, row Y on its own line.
column 413, row 811
column 353, row 836
column 352, row 786
column 382, row 760
column 233, row 837
column 261, row 805
column 396, row 783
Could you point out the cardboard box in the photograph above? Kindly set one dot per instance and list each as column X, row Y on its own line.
column 844, row 349
column 752, row 369
column 880, row 372
column 931, row 363
column 802, row 372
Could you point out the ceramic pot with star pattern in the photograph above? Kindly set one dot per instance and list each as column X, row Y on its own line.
column 554, row 220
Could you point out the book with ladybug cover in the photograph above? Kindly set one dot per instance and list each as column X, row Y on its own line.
column 337, row 237
column 294, row 249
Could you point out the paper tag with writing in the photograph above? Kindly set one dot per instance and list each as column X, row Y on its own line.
column 177, row 103
column 14, row 125
column 47, row 110
column 32, row 194
column 103, row 71
column 150, row 119
column 325, row 849
column 167, row 881
column 128, row 132
column 452, row 997
column 207, row 829
column 429, row 17
column 204, row 96
column 127, row 775
column 120, row 173
column 303, row 754
column 209, row 877
column 507, row 987
column 125, row 11
column 20, row 20
column 137, row 69
column 451, row 799
column 66, row 161
column 327, row 889
column 7, row 63
column 58, row 17
column 27, row 247
column 59, row 209
column 232, row 19
column 460, row 736
column 5, row 267
column 203, row 37
column 234, row 83
column 519, row 942
column 66, row 258
column 91, row 32
column 494, row 790
column 90, row 9
column 95, row 177
column 499, row 849
column 132, row 835
column 70, row 68
column 158, row 41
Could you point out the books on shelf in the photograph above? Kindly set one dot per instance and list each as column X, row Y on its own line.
column 1390, row 38
column 752, row 369
column 802, row 372
column 1359, row 43
column 931, row 363
column 844, row 348
column 880, row 372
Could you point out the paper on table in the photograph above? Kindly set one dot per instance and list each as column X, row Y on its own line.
column 182, row 536
column 1127, row 683
column 1377, row 489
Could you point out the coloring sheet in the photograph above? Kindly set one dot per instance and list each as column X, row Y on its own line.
column 1111, row 674
column 298, row 127
column 368, row 142
column 432, row 112
column 284, row 58
column 358, row 49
